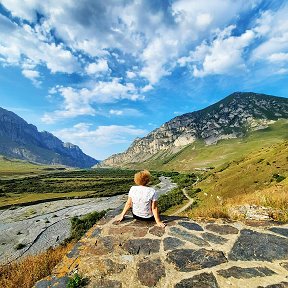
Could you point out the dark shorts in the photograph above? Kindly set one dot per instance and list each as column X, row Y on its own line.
column 143, row 219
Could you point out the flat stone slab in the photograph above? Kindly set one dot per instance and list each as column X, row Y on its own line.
column 149, row 272
column 171, row 243
column 210, row 237
column 278, row 285
column 157, row 231
column 188, row 236
column 186, row 260
column 142, row 246
column 204, row 280
column 281, row 231
column 240, row 273
column 252, row 245
column 141, row 254
column 54, row 282
column 222, row 229
column 191, row 226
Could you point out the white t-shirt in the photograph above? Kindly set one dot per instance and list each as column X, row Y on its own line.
column 142, row 198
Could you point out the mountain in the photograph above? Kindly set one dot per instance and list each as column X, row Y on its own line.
column 21, row 140
column 236, row 116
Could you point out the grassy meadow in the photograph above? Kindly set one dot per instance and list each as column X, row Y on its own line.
column 63, row 185
column 57, row 185
column 259, row 178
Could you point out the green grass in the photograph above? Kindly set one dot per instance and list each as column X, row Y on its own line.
column 11, row 168
column 260, row 178
column 66, row 185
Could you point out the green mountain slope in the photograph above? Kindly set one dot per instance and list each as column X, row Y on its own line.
column 260, row 178
column 199, row 155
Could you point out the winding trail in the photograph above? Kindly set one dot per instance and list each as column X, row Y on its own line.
column 191, row 200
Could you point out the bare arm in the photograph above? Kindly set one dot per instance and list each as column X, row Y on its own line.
column 155, row 212
column 127, row 206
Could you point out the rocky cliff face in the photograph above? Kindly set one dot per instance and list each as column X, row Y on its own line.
column 21, row 140
column 231, row 117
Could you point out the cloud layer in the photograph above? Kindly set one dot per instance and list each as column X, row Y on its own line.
column 120, row 51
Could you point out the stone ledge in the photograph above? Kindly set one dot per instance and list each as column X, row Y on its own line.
column 184, row 254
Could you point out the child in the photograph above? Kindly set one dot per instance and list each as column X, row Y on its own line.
column 143, row 200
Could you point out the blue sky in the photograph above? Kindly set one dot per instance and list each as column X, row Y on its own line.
column 101, row 73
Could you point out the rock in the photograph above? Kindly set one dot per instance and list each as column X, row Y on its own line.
column 104, row 283
column 142, row 246
column 188, row 236
column 149, row 272
column 54, row 282
column 279, row 285
column 75, row 250
column 204, row 280
column 187, row 260
column 252, row 245
column 281, row 231
column 222, row 229
column 239, row 272
column 171, row 243
column 157, row 231
column 191, row 226
column 136, row 232
column 213, row 238
column 96, row 232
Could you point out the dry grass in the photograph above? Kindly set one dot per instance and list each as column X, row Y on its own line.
column 25, row 273
column 251, row 180
column 274, row 197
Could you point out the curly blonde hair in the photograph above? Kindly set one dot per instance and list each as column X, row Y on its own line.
column 142, row 178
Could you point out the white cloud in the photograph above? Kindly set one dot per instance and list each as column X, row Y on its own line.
column 272, row 29
column 116, row 112
column 223, row 56
column 131, row 74
column 100, row 67
column 79, row 101
column 33, row 76
column 91, row 140
column 125, row 112
column 24, row 45
column 278, row 57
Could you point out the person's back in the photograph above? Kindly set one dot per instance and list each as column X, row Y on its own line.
column 142, row 198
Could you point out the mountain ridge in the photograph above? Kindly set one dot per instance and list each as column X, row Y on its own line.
column 231, row 117
column 21, row 140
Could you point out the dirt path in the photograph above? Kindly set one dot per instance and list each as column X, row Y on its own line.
column 191, row 201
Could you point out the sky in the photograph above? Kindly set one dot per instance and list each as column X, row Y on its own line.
column 99, row 73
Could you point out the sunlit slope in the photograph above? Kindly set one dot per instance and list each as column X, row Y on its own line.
column 15, row 167
column 199, row 155
column 260, row 178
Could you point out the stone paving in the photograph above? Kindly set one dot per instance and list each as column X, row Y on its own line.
column 183, row 254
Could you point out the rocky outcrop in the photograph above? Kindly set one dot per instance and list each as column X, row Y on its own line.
column 232, row 117
column 140, row 254
column 21, row 140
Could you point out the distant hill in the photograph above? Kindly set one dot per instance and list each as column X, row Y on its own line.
column 21, row 140
column 239, row 117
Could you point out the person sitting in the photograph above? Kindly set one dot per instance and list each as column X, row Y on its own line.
column 143, row 200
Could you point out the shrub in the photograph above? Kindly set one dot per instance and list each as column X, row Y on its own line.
column 166, row 201
column 76, row 281
column 278, row 177
column 20, row 246
column 81, row 225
